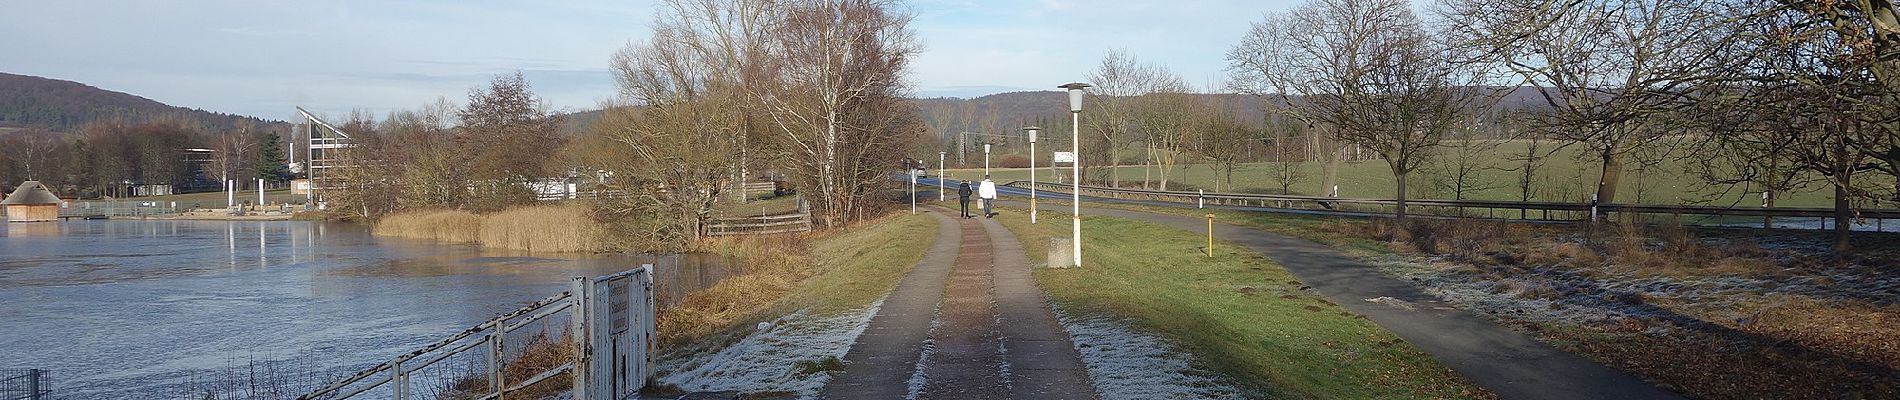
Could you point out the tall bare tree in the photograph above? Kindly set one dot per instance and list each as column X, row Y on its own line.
column 837, row 68
column 1366, row 69
column 510, row 138
column 1613, row 71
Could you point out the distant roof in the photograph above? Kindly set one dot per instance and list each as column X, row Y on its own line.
column 31, row 192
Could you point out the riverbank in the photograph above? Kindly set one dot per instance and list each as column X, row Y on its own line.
column 792, row 313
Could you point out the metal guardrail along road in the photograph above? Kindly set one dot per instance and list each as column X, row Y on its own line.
column 1547, row 211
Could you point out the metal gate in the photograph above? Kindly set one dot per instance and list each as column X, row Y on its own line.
column 609, row 342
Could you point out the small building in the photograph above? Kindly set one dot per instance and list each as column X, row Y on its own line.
column 32, row 202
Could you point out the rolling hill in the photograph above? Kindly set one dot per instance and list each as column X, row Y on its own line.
column 62, row 106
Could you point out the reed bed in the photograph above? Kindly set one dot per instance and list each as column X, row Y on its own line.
column 548, row 228
column 453, row 226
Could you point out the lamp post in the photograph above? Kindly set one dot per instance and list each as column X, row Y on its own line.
column 910, row 170
column 941, row 188
column 1076, row 90
column 1032, row 171
column 986, row 161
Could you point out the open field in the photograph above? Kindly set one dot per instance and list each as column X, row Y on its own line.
column 1241, row 313
column 1710, row 313
column 1563, row 178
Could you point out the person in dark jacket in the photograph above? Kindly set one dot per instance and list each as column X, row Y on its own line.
column 963, row 198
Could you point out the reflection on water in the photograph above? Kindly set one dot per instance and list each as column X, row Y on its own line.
column 121, row 309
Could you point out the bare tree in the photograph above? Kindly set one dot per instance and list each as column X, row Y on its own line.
column 1611, row 70
column 510, row 139
column 231, row 154
column 33, row 154
column 1119, row 83
column 838, row 64
column 1367, row 69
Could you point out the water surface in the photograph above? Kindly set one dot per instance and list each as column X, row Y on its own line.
column 149, row 309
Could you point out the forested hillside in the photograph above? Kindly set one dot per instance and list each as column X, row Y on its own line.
column 62, row 106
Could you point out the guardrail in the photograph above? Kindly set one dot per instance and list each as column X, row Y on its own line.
column 609, row 339
column 760, row 225
column 1546, row 211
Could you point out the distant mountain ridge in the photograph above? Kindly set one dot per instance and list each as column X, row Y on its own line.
column 62, row 106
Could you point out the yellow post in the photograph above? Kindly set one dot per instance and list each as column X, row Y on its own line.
column 1210, row 235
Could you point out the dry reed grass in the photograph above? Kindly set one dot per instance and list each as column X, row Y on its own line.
column 556, row 228
column 549, row 228
column 452, row 226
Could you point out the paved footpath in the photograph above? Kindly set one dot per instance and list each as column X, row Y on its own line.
column 989, row 332
column 1505, row 362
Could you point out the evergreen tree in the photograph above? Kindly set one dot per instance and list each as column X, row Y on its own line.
column 271, row 164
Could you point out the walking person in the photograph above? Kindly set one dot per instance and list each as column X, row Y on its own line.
column 987, row 190
column 963, row 198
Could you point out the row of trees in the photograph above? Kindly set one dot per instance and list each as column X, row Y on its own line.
column 1756, row 92
column 481, row 157
column 811, row 88
column 110, row 158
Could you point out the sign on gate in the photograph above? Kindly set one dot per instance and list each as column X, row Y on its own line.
column 621, row 335
column 1063, row 157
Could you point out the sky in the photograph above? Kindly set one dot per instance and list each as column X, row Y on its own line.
column 262, row 58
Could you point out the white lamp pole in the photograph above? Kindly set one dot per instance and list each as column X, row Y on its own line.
column 1032, row 171
column 986, row 161
column 941, row 187
column 911, row 171
column 1076, row 90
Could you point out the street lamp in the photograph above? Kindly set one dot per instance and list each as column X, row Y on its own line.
column 1076, row 90
column 1032, row 171
column 986, row 161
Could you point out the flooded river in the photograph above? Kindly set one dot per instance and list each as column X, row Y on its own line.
column 159, row 309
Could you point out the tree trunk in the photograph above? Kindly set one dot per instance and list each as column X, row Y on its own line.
column 1843, row 210
column 1329, row 175
column 1400, row 210
column 1768, row 201
column 1612, row 172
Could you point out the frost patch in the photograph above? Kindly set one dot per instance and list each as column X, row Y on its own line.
column 763, row 361
column 1127, row 364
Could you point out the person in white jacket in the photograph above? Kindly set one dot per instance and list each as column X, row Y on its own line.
column 987, row 192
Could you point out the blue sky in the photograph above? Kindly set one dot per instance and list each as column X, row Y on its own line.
column 261, row 58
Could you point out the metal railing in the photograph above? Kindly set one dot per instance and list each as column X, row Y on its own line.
column 760, row 225
column 609, row 343
column 119, row 209
column 25, row 384
column 1523, row 210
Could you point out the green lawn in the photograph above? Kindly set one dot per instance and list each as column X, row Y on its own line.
column 1238, row 312
column 1564, row 177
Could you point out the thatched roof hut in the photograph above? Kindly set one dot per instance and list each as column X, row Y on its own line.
column 31, row 202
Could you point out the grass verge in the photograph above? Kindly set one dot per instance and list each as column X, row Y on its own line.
column 825, row 271
column 1240, row 313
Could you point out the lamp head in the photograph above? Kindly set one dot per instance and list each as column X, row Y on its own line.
column 1032, row 130
column 1076, row 89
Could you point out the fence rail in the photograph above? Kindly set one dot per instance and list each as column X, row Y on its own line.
column 25, row 384
column 119, row 209
column 1549, row 211
column 609, row 334
column 760, row 225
